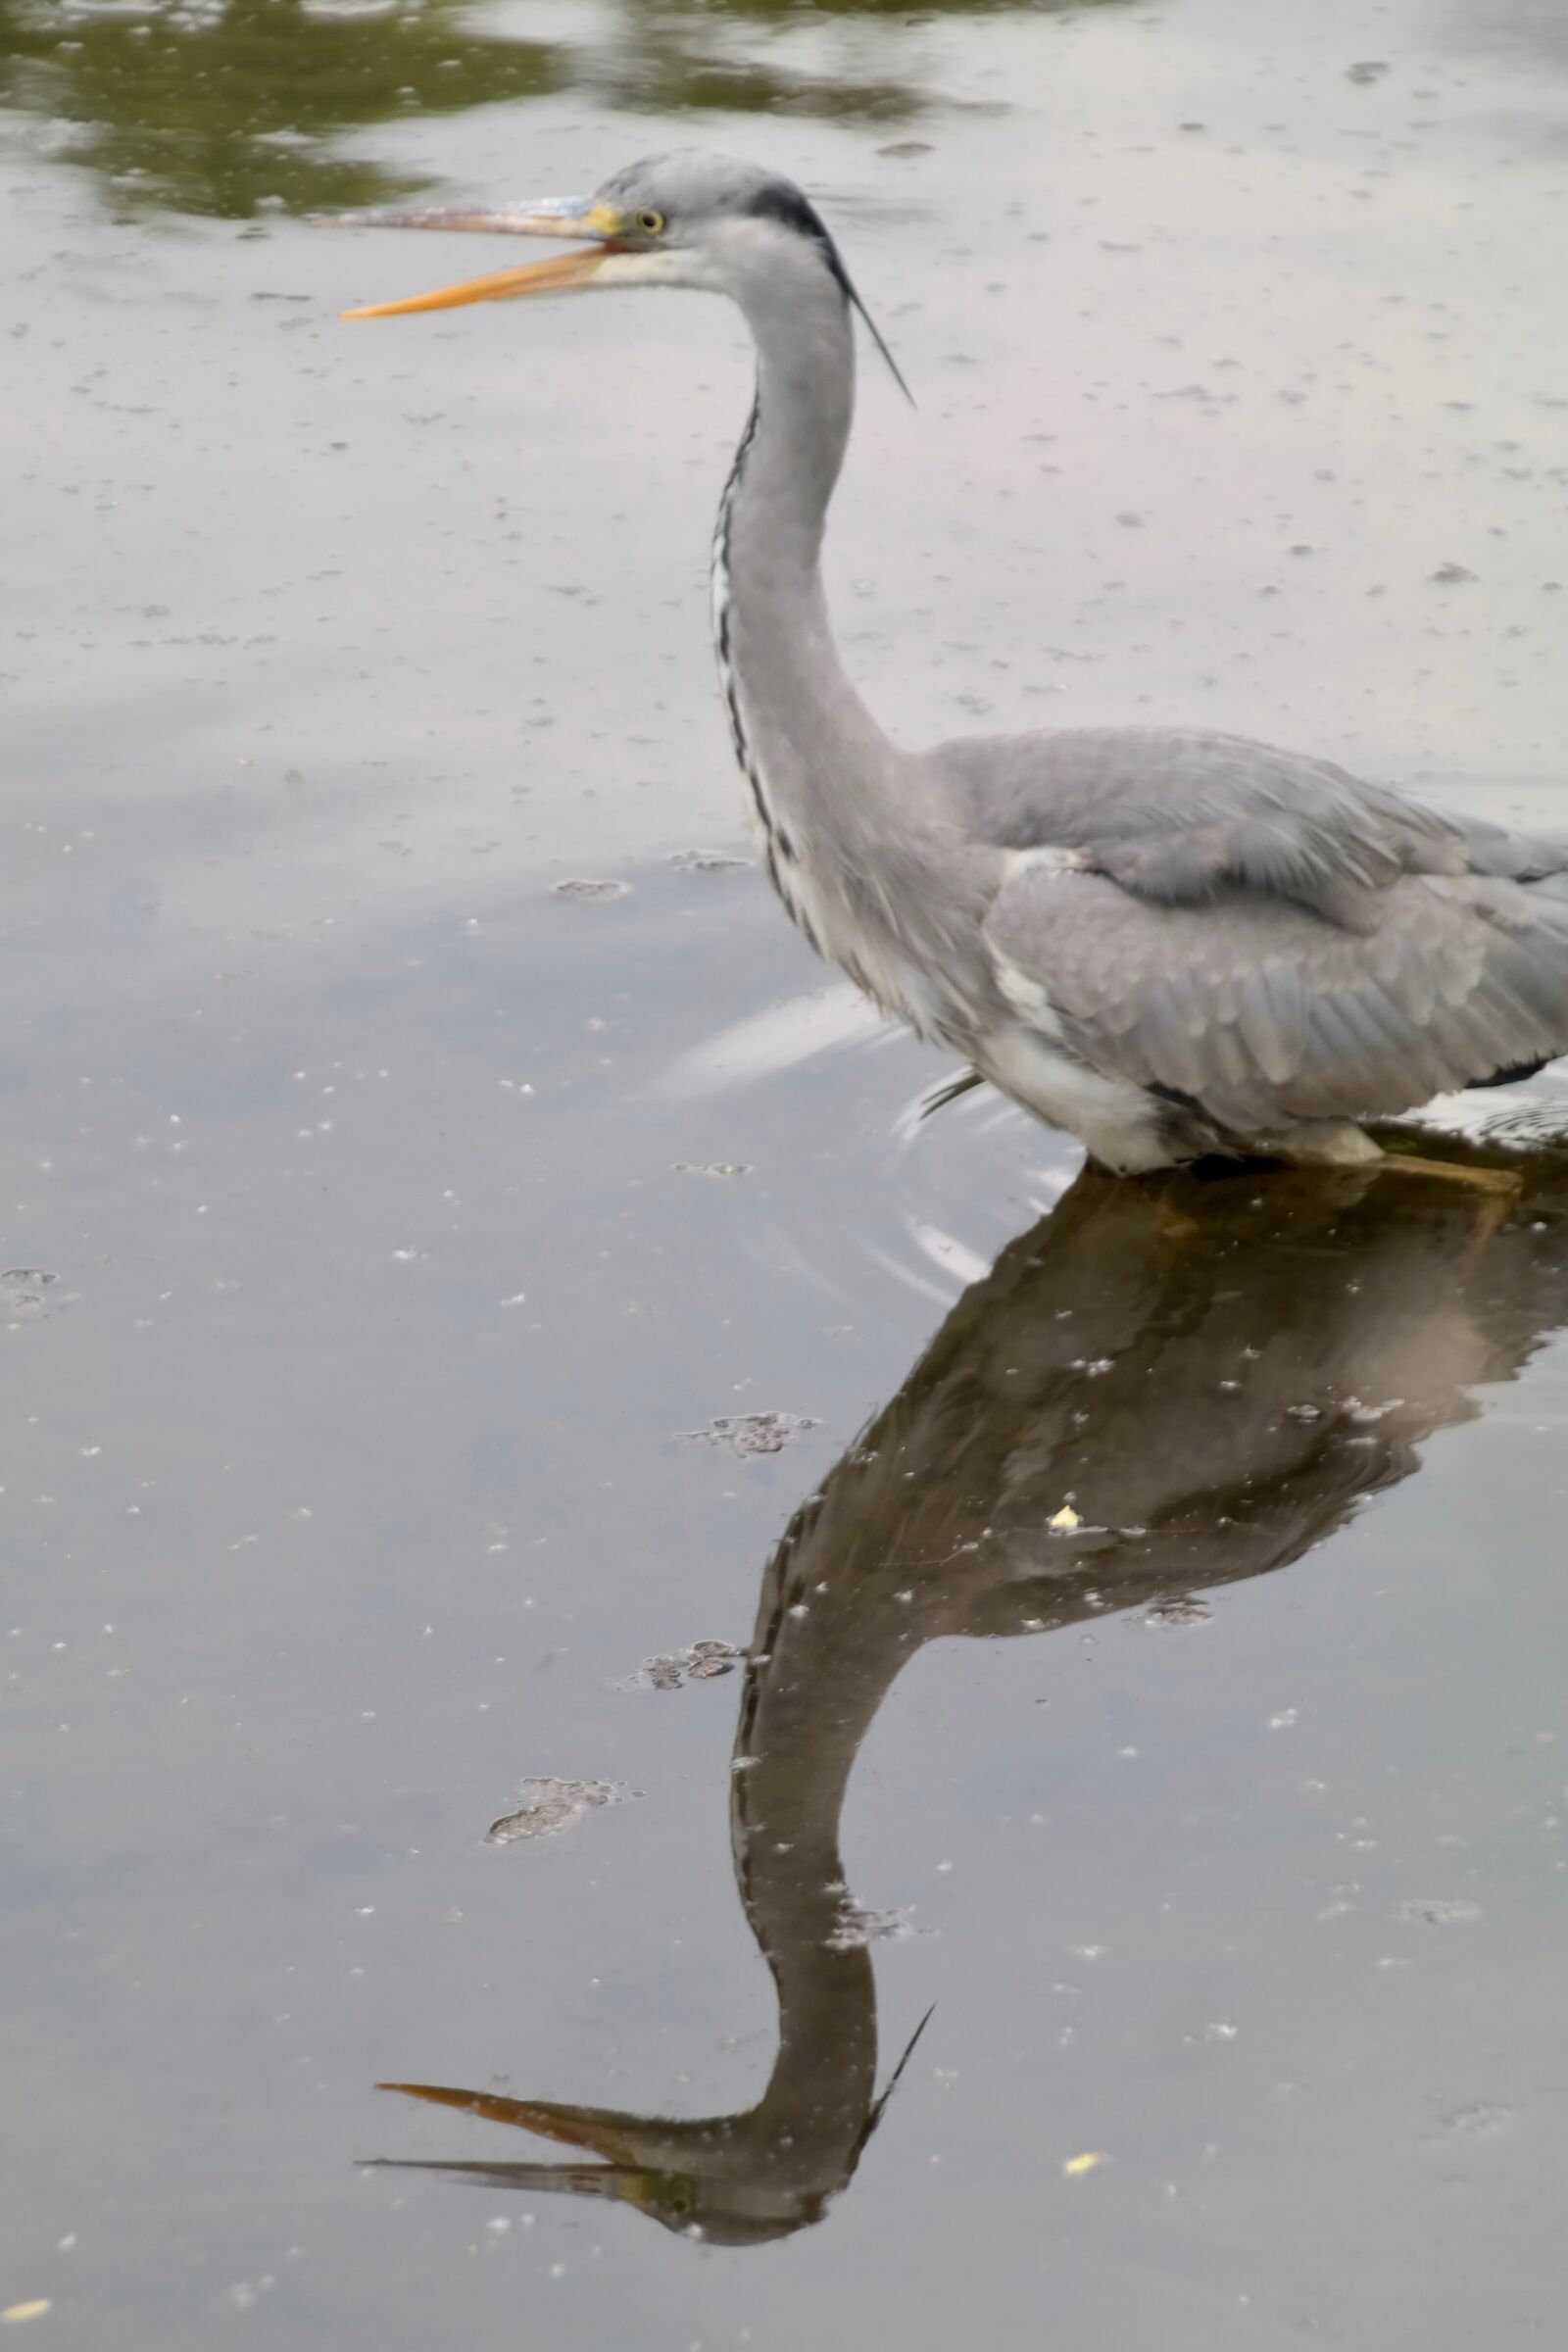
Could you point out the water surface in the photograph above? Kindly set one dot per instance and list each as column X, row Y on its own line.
column 387, row 1224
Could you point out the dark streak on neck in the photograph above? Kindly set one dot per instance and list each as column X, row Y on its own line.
column 779, row 843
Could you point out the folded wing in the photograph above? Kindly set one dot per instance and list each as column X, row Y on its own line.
column 1263, row 936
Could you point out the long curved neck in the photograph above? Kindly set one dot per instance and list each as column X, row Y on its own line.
column 798, row 723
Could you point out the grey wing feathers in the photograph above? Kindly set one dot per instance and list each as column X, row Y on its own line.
column 1350, row 956
column 1180, row 817
column 1262, row 1014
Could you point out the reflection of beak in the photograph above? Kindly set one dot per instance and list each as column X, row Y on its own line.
column 555, row 217
column 600, row 2129
column 620, row 2181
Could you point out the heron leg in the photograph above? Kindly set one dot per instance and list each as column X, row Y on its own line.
column 1500, row 1184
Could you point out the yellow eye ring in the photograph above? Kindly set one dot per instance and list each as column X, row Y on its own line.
column 652, row 222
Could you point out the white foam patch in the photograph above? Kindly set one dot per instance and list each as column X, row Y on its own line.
column 943, row 1294
column 952, row 1255
column 780, row 1039
column 1535, row 1114
column 1052, row 1183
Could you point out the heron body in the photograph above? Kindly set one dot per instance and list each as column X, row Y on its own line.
column 1170, row 943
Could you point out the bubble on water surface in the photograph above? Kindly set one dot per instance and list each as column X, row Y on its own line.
column 550, row 1806
column 700, row 1662
column 593, row 891
column 752, row 1432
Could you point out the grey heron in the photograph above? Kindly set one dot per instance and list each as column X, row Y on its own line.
column 1172, row 943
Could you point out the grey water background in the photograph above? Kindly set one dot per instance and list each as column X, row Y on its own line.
column 373, row 1178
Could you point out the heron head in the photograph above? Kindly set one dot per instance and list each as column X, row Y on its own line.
column 726, row 2180
column 707, row 221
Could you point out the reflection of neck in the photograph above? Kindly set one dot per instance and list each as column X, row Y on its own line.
column 814, row 1683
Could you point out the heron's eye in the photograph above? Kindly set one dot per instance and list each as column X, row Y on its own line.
column 650, row 221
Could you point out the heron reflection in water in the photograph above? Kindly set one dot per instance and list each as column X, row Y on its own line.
column 1216, row 1376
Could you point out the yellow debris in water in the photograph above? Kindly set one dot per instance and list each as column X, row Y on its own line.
column 1083, row 2164
column 1064, row 1519
column 16, row 2312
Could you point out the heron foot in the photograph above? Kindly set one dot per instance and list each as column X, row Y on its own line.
column 1174, row 1225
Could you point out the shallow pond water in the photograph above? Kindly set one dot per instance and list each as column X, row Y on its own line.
column 564, row 1544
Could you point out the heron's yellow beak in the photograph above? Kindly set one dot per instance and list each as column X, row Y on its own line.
column 595, row 223
column 502, row 285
